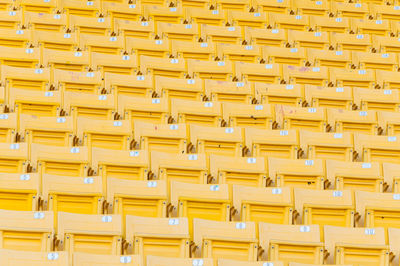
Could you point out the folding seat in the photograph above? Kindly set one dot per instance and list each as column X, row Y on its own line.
column 249, row 115
column 238, row 52
column 167, row 237
column 302, row 264
column 193, row 50
column 284, row 55
column 388, row 79
column 216, row 140
column 179, row 32
column 88, row 105
column 327, row 145
column 15, row 37
column 228, row 91
column 380, row 11
column 164, row 261
column 123, row 10
column 19, row 192
column 196, row 112
column 161, row 137
column 153, row 47
column 362, row 78
column 306, row 75
column 354, row 42
column 247, row 19
column 6, row 4
column 59, row 160
column 136, row 29
column 329, row 24
column 274, row 143
column 350, row 10
column 221, row 34
column 25, row 78
column 331, row 97
column 173, row 88
column 395, row 28
column 163, row 13
column 310, row 118
column 367, row 60
column 268, row 73
column 272, row 205
column 386, row 44
column 291, row 243
column 102, row 44
column 389, row 123
column 54, row 40
column 391, row 175
column 379, row 100
column 371, row 27
column 205, row 16
column 238, row 5
column 80, row 8
column 8, row 127
column 167, row 67
column 26, row 230
column 91, row 26
column 188, row 168
column 270, row 37
column 286, row 21
column 154, row 2
column 114, row 63
column 89, row 233
column 38, row 6
column 77, row 81
column 377, row 148
column 356, row 246
column 217, row 70
column 80, row 258
column 308, row 39
column 393, row 241
column 328, row 58
column 352, row 121
column 66, row 60
column 272, row 5
column 11, row 19
column 14, row 157
column 313, row 8
column 225, row 240
column 21, row 258
column 355, row 176
column 45, row 22
column 287, row 94
column 129, row 85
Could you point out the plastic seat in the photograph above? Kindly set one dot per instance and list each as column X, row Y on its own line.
column 102, row 44
column 306, row 75
column 274, row 143
column 271, row 205
column 331, row 97
column 289, row 22
column 173, row 88
column 66, row 60
column 366, row 60
column 25, row 78
column 89, row 233
column 329, row 24
column 309, row 7
column 388, row 79
column 354, row 42
column 80, row 258
column 377, row 148
column 19, row 57
column 196, row 112
column 38, row 6
column 154, row 2
column 239, row 5
column 356, row 246
column 193, row 50
column 268, row 73
column 381, row 11
column 270, row 37
column 237, row 52
column 316, row 40
column 272, row 5
column 362, row 78
column 379, row 100
column 217, row 70
column 286, row 94
column 283, row 55
column 14, row 157
column 394, row 234
column 123, row 10
column 128, row 85
column 54, row 40
column 167, row 67
column 386, row 44
column 328, row 58
column 91, row 26
column 6, row 4
column 213, row 140
column 163, row 13
column 249, row 115
column 350, row 10
column 168, row 237
column 21, row 258
column 291, row 243
column 114, row 63
column 225, row 240
column 372, row 27
column 161, row 137
column 19, row 192
column 45, row 22
column 311, row 118
column 391, row 175
column 164, row 261
column 8, row 127
column 205, row 16
column 15, row 37
column 136, row 29
column 389, row 123
column 11, row 19
column 227, row 91
column 249, row 19
column 352, row 121
column 156, row 48
column 77, row 81
column 221, row 34
column 179, row 32
column 327, row 145
column 80, row 8
column 26, row 230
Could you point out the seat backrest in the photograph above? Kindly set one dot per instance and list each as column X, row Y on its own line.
column 226, row 262
column 87, row 259
column 165, row 261
column 20, row 258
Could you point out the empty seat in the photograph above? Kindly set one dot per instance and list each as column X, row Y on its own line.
column 274, row 143
column 284, row 55
column 270, row 37
column 123, row 10
column 272, row 5
column 268, row 73
column 21, row 258
column 391, row 175
column 329, row 58
column 19, row 57
column 388, row 79
column 356, row 246
column 372, row 27
column 5, row 4
column 363, row 78
column 170, row 88
column 389, row 123
column 303, row 264
column 19, row 192
column 102, row 44
column 352, row 121
column 379, row 100
column 114, row 63
column 311, row 118
column 287, row 21
column 248, row 115
column 286, row 94
column 350, row 10
column 167, row 67
column 394, row 234
column 77, row 81
column 8, row 127
column 228, row 91
column 327, row 145
column 355, row 42
column 45, row 22
column 54, row 40
column 193, row 50
column 207, row 16
column 14, row 157
column 129, row 85
column 218, row 70
column 38, row 6
column 26, row 230
column 381, row 11
column 377, row 148
column 15, row 37
column 180, row 32
column 249, row 19
column 11, row 19
column 80, row 8
column 89, row 25
column 367, row 60
column 195, row 3
column 225, row 240
column 309, row 7
column 238, row 52
column 316, row 40
column 25, row 78
column 306, row 75
column 270, row 205
column 66, row 60
column 291, row 243
column 137, row 29
column 81, row 258
column 331, row 97
column 240, row 5
column 221, row 34
column 196, row 112
column 165, row 261
column 148, row 47
column 330, row 24
column 386, row 44
column 163, row 13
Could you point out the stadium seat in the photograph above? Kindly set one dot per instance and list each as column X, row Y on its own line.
column 270, row 37
column 391, row 175
column 302, row 264
column 350, row 10
column 136, row 29
column 15, row 37
column 298, row 173
column 291, row 243
column 313, row 8
column 60, row 160
column 81, row 258
column 354, row 42
column 239, row 5
column 388, row 79
column 38, row 6
column 161, row 137
column 89, row 26
column 196, row 112
column 379, row 100
column 26, row 230
column 248, row 115
column 129, row 85
column 11, row 19
column 19, row 192
column 168, row 237
column 79, row 8
column 205, row 16
column 218, row 70
column 352, row 121
column 286, row 94
column 268, row 73
column 213, row 140
column 272, row 143
column 6, row 4
column 102, row 44
column 149, row 47
column 66, row 60
column 228, row 91
column 225, row 240
column 179, row 32
column 271, row 205
column 77, row 81
column 377, row 148
column 123, row 10
column 19, row 57
column 329, row 24
column 167, row 67
column 328, row 58
column 317, row 145
column 247, row 19
column 173, row 88
column 272, row 5
column 394, row 236
column 221, row 34
column 363, row 78
column 381, row 11
column 8, row 127
column 114, row 63
column 89, row 233
column 311, row 118
column 163, row 13
column 239, row 53
column 386, row 44
column 329, row 97
column 193, row 50
column 316, row 40
column 372, row 27
column 14, row 157
column 289, row 22
column 356, row 246
column 367, row 60
column 45, row 22
column 306, row 75
column 25, row 78
column 20, row 258
column 165, row 261
column 284, row 55
column 54, row 40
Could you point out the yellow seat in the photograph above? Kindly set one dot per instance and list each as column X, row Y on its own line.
column 168, row 237
column 350, row 10
column 228, row 91
column 380, row 11
column 179, row 32
column 388, row 79
column 352, row 121
column 289, row 94
column 391, row 176
column 330, row 24
column 123, row 10
column 114, row 63
column 21, row 258
column 239, row 5
column 148, row 47
column 193, row 50
column 271, row 205
column 38, row 6
column 60, row 160
column 354, row 42
column 217, row 70
column 216, row 140
column 8, row 127
column 377, row 148
column 272, row 5
column 19, row 57
column 66, row 60
column 367, row 60
column 129, row 85
column 167, row 67
column 196, row 112
column 77, row 81
column 303, row 264
column 329, row 97
column 221, row 34
column 225, row 240
column 26, row 230
column 14, row 157
column 386, row 44
column 306, row 75
column 173, row 88
column 163, row 13
column 19, row 192
column 379, row 100
column 25, row 78
column 289, row 22
column 316, row 40
column 45, row 22
column 11, row 19
column 267, row 73
column 284, row 55
column 205, row 16
column 80, row 258
column 113, row 45
column 89, row 26
column 309, row 7
column 80, row 8
column 274, row 143
column 270, row 37
column 310, row 118
column 248, row 115
column 291, row 243
column 165, row 261
column 6, row 4
column 136, row 29
column 363, row 78
column 318, row 145
column 394, row 236
column 239, row 52
column 372, row 27
column 356, row 246
column 15, row 37
column 54, row 40
column 328, row 58
column 247, row 19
